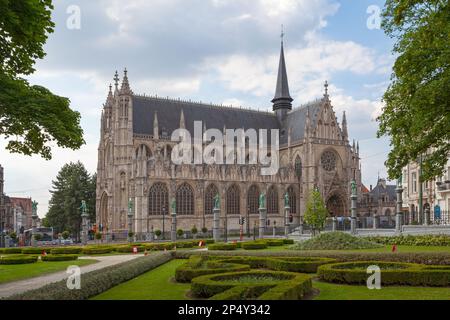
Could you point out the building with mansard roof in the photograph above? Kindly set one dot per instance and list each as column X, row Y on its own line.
column 134, row 161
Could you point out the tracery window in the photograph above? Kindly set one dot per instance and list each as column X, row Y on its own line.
column 292, row 200
column 233, row 198
column 272, row 201
column 158, row 200
column 253, row 199
column 185, row 200
column 328, row 161
column 298, row 167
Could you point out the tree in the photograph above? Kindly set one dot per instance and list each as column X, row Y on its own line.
column 72, row 185
column 194, row 231
column 65, row 235
column 416, row 115
column 316, row 213
column 31, row 115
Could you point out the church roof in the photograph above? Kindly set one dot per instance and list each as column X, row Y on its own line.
column 169, row 113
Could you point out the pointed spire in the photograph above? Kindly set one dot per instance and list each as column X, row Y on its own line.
column 182, row 121
column 155, row 126
column 357, row 148
column 125, row 89
column 110, row 98
column 326, row 85
column 116, row 81
column 282, row 99
column 344, row 127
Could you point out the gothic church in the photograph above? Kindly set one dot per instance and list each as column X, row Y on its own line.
column 134, row 162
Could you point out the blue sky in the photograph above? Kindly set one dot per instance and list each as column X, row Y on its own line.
column 221, row 51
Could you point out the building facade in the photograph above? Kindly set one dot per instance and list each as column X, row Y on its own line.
column 376, row 208
column 6, row 216
column 428, row 201
column 22, row 212
column 134, row 162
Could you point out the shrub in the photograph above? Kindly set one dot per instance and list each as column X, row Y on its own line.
column 34, row 250
column 209, row 241
column 186, row 244
column 65, row 235
column 251, row 285
column 196, row 266
column 180, row 232
column 158, row 233
column 288, row 241
column 38, row 237
column 204, row 230
column 159, row 246
column 18, row 259
column 97, row 250
column 59, row 257
column 128, row 248
column 10, row 250
column 410, row 240
column 300, row 264
column 67, row 250
column 98, row 281
column 392, row 273
column 254, row 245
column 335, row 241
column 429, row 258
column 98, row 236
column 274, row 242
column 222, row 246
column 194, row 230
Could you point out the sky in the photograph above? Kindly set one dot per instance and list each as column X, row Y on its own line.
column 221, row 51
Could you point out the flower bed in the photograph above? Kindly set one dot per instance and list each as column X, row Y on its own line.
column 392, row 273
column 265, row 285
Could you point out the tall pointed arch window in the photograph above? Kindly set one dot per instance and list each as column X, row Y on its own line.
column 185, row 200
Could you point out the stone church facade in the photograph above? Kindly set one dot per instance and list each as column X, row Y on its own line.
column 134, row 162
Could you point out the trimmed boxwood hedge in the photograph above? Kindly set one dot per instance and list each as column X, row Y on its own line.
column 159, row 246
column 10, row 250
column 59, row 257
column 98, row 281
column 197, row 266
column 413, row 240
column 254, row 245
column 129, row 248
column 97, row 250
column 18, row 259
column 288, row 241
column 429, row 258
column 66, row 250
column 34, row 250
column 274, row 242
column 392, row 273
column 222, row 246
column 265, row 285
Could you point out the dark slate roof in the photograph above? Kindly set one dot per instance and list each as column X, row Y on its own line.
column 169, row 112
column 296, row 119
column 380, row 190
column 282, row 91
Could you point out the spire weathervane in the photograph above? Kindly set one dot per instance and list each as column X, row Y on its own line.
column 282, row 34
column 326, row 88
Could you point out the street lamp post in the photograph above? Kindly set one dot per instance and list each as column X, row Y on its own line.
column 34, row 218
column 163, row 222
column 353, row 198
column 399, row 213
column 173, row 234
column 84, row 223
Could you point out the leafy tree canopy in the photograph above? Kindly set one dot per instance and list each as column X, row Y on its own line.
column 31, row 117
column 416, row 115
column 316, row 212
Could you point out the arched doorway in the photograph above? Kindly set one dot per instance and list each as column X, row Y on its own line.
column 335, row 206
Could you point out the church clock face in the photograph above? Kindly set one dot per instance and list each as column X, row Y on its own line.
column 328, row 161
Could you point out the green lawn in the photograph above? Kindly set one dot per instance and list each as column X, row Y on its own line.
column 153, row 285
column 17, row 272
column 330, row 291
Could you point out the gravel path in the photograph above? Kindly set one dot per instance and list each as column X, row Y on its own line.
column 16, row 287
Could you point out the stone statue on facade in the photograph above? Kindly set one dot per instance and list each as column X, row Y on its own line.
column 354, row 187
column 262, row 200
column 83, row 207
column 34, row 205
column 217, row 201
column 286, row 200
column 173, row 205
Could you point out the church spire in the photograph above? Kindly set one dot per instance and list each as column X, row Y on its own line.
column 282, row 102
column 125, row 89
column 344, row 127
